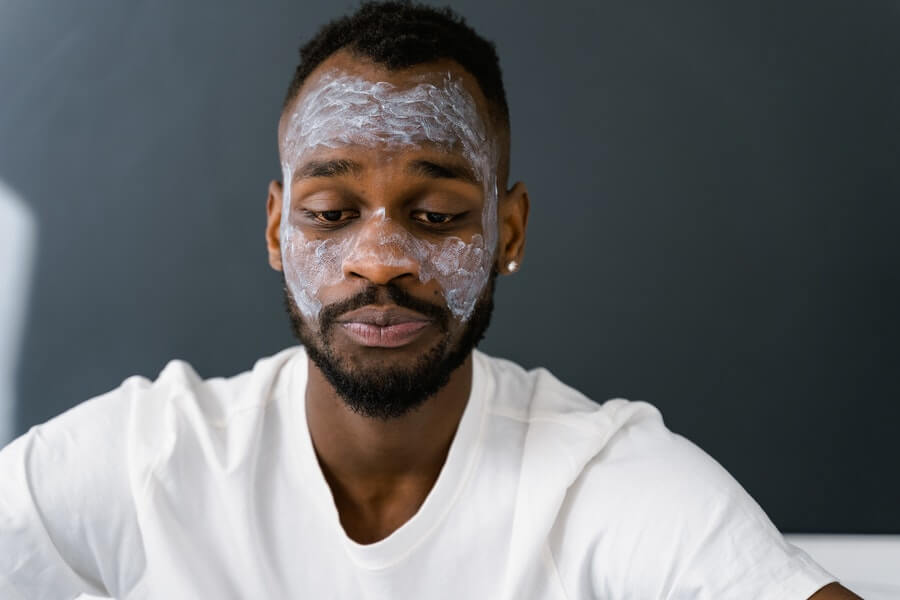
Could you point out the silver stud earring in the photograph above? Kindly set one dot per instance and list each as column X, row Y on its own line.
column 512, row 266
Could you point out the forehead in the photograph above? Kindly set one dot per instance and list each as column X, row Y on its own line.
column 348, row 100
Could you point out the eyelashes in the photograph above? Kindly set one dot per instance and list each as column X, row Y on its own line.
column 325, row 217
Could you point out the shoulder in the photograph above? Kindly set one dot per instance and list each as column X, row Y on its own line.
column 654, row 512
column 630, row 445
column 645, row 479
column 126, row 429
column 73, row 484
column 180, row 413
column 561, row 423
column 634, row 509
column 143, row 404
column 536, row 395
column 217, row 399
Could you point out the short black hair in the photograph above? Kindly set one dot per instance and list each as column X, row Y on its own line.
column 402, row 34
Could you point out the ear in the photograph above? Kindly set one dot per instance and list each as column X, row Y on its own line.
column 273, row 224
column 513, row 221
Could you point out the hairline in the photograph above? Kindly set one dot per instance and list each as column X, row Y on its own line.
column 497, row 118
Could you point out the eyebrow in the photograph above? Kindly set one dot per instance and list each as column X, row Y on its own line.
column 422, row 168
column 327, row 168
column 435, row 170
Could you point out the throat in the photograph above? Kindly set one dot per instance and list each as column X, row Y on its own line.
column 370, row 512
column 380, row 472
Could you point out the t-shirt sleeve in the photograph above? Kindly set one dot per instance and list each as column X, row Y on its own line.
column 67, row 519
column 729, row 548
column 654, row 516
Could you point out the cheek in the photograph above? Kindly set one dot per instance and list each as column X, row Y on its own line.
column 309, row 265
column 461, row 269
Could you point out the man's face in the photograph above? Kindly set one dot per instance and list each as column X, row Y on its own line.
column 388, row 229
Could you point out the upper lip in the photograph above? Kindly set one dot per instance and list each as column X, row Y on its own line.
column 382, row 316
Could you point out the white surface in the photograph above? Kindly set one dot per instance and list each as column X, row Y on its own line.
column 869, row 565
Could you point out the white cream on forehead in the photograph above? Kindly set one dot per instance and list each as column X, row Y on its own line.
column 343, row 110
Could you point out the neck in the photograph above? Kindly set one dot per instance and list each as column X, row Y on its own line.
column 381, row 471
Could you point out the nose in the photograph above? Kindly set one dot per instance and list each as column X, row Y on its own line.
column 382, row 252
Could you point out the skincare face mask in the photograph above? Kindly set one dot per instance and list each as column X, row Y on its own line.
column 343, row 110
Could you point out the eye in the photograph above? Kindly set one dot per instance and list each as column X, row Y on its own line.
column 328, row 218
column 435, row 218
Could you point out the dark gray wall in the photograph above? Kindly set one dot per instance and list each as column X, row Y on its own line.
column 713, row 229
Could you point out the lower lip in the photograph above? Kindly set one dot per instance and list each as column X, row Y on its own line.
column 390, row 336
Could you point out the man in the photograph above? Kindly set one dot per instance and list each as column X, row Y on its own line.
column 386, row 457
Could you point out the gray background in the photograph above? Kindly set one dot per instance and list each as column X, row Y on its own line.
column 714, row 204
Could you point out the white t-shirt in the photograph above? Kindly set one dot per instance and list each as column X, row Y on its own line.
column 201, row 489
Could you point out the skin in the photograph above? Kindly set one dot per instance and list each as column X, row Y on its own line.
column 380, row 472
column 834, row 591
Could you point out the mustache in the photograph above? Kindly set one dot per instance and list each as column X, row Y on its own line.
column 375, row 295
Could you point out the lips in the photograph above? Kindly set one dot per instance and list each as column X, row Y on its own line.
column 383, row 327
column 383, row 317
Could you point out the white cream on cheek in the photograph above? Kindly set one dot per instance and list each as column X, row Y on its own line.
column 345, row 110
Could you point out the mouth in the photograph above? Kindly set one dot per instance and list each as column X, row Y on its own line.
column 388, row 336
column 388, row 327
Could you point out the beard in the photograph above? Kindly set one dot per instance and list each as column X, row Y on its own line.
column 382, row 392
